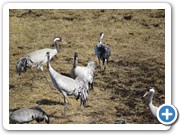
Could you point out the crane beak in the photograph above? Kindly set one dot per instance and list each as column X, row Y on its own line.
column 64, row 42
column 145, row 94
column 162, row 96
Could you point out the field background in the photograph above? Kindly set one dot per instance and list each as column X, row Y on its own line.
column 137, row 41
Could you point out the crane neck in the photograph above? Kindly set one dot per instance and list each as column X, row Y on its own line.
column 48, row 62
column 57, row 47
column 100, row 39
column 75, row 62
column 150, row 98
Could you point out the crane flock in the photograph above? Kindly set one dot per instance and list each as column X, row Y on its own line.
column 81, row 80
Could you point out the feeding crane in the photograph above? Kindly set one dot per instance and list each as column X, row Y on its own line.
column 26, row 115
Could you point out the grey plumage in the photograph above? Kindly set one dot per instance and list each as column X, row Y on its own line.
column 102, row 51
column 26, row 115
column 83, row 94
column 84, row 72
column 66, row 85
column 22, row 65
column 37, row 58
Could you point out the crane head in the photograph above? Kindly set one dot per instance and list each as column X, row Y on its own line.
column 101, row 33
column 41, row 115
column 58, row 39
column 75, row 54
column 149, row 91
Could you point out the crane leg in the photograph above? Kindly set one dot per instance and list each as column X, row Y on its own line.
column 35, row 74
column 46, row 78
column 104, row 67
column 65, row 101
column 105, row 64
column 99, row 62
column 65, row 104
column 92, row 85
column 81, row 104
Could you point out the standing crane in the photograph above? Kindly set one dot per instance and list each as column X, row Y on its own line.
column 152, row 107
column 87, row 73
column 38, row 59
column 102, row 51
column 68, row 86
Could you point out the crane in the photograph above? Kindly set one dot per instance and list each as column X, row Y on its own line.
column 68, row 86
column 26, row 115
column 153, row 108
column 102, row 51
column 38, row 59
column 87, row 72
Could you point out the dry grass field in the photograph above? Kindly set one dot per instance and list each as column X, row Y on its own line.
column 137, row 41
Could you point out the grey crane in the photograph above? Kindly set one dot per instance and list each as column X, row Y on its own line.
column 66, row 85
column 150, row 92
column 86, row 73
column 102, row 51
column 26, row 115
column 38, row 59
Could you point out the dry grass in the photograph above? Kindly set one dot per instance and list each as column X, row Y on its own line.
column 137, row 41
